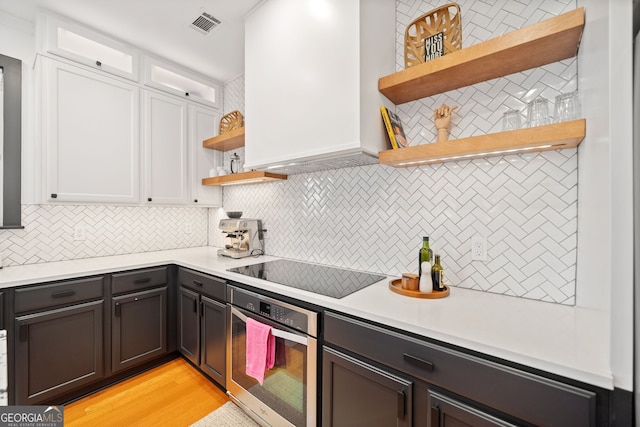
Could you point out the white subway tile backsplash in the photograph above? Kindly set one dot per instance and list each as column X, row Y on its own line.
column 373, row 217
column 110, row 230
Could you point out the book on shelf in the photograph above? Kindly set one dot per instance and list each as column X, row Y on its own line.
column 394, row 128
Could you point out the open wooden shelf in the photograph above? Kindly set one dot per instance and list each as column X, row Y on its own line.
column 252, row 177
column 542, row 43
column 231, row 140
column 542, row 138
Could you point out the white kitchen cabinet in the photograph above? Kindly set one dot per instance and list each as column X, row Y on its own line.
column 311, row 79
column 91, row 135
column 203, row 123
column 67, row 39
column 165, row 149
column 165, row 76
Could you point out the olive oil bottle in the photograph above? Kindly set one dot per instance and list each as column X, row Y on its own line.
column 437, row 274
column 424, row 255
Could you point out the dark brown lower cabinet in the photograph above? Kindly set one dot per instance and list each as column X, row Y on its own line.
column 57, row 351
column 448, row 412
column 202, row 332
column 358, row 394
column 451, row 388
column 138, row 327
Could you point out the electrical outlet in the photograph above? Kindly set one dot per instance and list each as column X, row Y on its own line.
column 188, row 229
column 478, row 249
column 79, row 232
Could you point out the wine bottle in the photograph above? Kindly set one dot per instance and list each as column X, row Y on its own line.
column 424, row 255
column 437, row 275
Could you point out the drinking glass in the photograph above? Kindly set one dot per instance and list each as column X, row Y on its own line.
column 511, row 120
column 567, row 107
column 538, row 112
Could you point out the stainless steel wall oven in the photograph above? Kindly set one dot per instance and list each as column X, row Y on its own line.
column 288, row 394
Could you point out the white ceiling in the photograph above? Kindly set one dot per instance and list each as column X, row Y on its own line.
column 161, row 27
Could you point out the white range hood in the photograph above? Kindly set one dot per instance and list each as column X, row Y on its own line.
column 311, row 83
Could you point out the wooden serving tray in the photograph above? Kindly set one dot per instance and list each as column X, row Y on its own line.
column 396, row 286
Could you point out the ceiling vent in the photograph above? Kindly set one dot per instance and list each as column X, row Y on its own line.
column 205, row 23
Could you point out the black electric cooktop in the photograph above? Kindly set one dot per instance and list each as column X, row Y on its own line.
column 319, row 279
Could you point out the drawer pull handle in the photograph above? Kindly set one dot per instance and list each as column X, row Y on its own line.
column 401, row 404
column 63, row 294
column 141, row 281
column 197, row 283
column 117, row 309
column 424, row 364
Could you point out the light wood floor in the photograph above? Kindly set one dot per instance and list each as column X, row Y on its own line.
column 173, row 394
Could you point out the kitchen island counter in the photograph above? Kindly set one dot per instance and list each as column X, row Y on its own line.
column 569, row 341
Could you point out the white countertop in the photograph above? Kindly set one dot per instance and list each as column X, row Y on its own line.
column 563, row 340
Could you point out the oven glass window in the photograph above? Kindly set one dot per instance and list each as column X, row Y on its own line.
column 284, row 386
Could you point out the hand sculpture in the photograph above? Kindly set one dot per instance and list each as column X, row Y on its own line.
column 442, row 118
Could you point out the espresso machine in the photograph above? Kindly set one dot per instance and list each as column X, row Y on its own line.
column 243, row 237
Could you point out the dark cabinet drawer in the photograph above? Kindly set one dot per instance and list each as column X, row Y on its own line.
column 56, row 294
column 210, row 286
column 515, row 392
column 132, row 281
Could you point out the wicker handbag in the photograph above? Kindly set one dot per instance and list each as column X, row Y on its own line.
column 446, row 19
column 231, row 121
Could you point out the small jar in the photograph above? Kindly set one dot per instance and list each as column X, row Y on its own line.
column 235, row 163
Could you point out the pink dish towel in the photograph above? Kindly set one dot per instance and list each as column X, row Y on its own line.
column 261, row 349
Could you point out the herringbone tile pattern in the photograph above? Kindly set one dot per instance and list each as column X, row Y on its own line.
column 373, row 217
column 110, row 230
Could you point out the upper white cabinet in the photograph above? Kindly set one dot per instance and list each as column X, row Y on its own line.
column 109, row 137
column 203, row 122
column 165, row 149
column 311, row 80
column 164, row 76
column 72, row 41
column 91, row 135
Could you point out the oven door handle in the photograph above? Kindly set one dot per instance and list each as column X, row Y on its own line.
column 274, row 331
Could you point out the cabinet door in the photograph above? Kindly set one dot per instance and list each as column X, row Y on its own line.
column 57, row 351
column 448, row 412
column 203, row 124
column 214, row 333
column 189, row 324
column 138, row 327
column 358, row 394
column 91, row 136
column 165, row 149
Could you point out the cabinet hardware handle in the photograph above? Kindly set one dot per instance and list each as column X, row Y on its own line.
column 62, row 294
column 401, row 404
column 149, row 199
column 117, row 309
column 186, row 94
column 435, row 415
column 99, row 64
column 54, row 196
column 141, row 281
column 195, row 305
column 24, row 332
column 201, row 308
column 425, row 364
column 195, row 201
column 197, row 283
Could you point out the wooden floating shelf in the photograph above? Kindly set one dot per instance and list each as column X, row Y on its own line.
column 542, row 43
column 252, row 177
column 542, row 138
column 231, row 140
